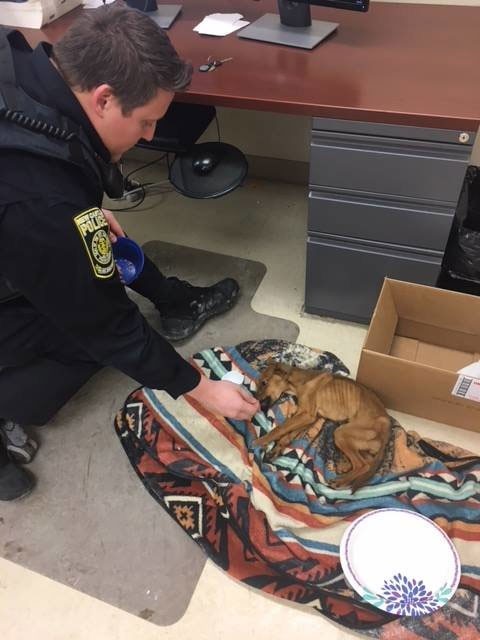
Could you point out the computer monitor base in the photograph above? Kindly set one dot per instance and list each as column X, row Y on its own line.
column 165, row 14
column 268, row 28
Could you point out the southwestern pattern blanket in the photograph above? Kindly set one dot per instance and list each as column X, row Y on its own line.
column 277, row 525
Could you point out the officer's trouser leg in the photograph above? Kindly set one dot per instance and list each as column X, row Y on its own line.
column 40, row 367
column 32, row 394
column 151, row 283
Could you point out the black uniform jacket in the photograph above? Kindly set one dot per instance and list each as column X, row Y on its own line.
column 54, row 248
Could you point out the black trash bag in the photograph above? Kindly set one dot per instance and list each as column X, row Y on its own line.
column 465, row 256
column 462, row 257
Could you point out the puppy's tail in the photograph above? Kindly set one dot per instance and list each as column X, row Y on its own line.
column 362, row 479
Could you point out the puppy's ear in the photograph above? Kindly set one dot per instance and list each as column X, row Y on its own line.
column 268, row 369
column 283, row 369
column 273, row 367
column 270, row 363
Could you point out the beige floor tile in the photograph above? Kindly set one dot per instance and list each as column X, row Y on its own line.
column 36, row 608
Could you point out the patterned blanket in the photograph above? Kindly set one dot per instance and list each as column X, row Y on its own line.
column 277, row 525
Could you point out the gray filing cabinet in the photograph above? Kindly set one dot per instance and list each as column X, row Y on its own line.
column 381, row 203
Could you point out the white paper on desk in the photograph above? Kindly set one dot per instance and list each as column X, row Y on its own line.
column 93, row 4
column 220, row 24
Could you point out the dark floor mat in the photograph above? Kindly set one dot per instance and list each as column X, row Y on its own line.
column 89, row 523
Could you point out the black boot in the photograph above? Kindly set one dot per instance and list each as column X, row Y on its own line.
column 14, row 482
column 20, row 446
column 186, row 308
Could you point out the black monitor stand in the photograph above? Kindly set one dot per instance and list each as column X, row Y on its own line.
column 163, row 14
column 294, row 26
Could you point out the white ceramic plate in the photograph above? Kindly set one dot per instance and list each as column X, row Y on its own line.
column 400, row 561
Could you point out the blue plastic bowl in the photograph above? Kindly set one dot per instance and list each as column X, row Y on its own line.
column 129, row 259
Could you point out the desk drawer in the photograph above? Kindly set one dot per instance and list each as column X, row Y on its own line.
column 380, row 219
column 344, row 278
column 375, row 164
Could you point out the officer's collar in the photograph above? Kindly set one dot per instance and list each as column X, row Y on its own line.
column 63, row 98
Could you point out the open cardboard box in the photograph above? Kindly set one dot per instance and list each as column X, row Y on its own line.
column 419, row 337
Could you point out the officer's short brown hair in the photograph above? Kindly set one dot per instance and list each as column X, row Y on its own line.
column 124, row 48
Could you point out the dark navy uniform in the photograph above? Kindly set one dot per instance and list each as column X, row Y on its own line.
column 68, row 314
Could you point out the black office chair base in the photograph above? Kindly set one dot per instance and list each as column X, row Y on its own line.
column 227, row 175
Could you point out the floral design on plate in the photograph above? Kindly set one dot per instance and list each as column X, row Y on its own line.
column 408, row 597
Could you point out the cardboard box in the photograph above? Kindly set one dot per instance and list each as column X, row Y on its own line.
column 419, row 337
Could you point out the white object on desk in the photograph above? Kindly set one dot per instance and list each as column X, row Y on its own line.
column 220, row 24
column 93, row 4
column 34, row 14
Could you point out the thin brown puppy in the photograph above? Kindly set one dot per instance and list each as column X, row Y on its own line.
column 365, row 427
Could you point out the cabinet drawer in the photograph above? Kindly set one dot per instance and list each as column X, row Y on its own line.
column 344, row 278
column 380, row 219
column 465, row 138
column 411, row 168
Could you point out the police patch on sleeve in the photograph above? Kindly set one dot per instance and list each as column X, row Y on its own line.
column 93, row 229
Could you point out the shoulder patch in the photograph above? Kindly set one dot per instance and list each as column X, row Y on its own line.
column 93, row 229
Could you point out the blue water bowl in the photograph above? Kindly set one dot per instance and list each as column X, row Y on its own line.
column 129, row 259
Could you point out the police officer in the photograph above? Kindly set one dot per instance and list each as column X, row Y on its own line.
column 67, row 114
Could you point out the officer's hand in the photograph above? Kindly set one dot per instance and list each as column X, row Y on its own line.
column 116, row 230
column 225, row 398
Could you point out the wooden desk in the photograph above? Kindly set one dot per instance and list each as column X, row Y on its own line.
column 395, row 101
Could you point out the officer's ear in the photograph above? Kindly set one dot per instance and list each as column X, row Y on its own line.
column 103, row 99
